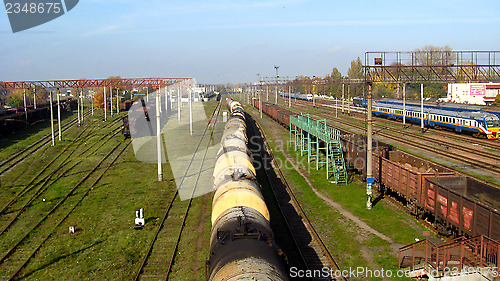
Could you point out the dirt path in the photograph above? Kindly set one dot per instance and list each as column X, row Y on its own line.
column 337, row 206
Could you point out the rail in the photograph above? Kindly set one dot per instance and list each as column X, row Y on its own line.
column 314, row 235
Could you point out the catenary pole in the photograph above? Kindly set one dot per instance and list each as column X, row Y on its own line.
column 105, row 105
column 190, row 113
column 404, row 105
column 25, row 109
column 158, row 135
column 369, row 149
column 179, row 103
column 59, row 114
column 111, row 101
column 52, row 118
column 78, row 106
column 422, row 107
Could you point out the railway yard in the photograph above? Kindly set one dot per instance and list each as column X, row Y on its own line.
column 67, row 211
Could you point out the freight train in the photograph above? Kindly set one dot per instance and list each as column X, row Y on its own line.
column 455, row 205
column 242, row 245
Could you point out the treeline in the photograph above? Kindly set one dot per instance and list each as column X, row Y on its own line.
column 334, row 84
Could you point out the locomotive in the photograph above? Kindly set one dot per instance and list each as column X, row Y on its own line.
column 242, row 245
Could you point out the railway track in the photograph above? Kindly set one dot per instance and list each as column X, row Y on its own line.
column 23, row 154
column 16, row 207
column 312, row 250
column 490, row 144
column 44, row 177
column 160, row 256
column 495, row 168
column 26, row 244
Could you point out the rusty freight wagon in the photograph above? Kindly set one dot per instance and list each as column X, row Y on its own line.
column 462, row 205
column 404, row 174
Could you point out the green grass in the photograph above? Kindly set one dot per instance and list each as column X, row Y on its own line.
column 105, row 245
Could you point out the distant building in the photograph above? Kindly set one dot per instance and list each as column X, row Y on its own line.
column 198, row 89
column 473, row 93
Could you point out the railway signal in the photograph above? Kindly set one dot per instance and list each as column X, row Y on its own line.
column 139, row 219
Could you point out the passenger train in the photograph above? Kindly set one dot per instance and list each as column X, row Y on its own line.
column 478, row 123
column 307, row 97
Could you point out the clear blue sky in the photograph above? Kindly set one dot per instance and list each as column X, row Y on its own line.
column 231, row 41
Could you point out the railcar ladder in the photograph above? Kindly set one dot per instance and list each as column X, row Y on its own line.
column 338, row 163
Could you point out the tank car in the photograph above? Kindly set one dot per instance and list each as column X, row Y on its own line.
column 242, row 245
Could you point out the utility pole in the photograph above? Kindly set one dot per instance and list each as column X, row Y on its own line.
column 349, row 99
column 78, row 106
column 111, row 100
column 25, row 109
column 277, row 81
column 82, row 102
column 92, row 104
column 267, row 92
column 117, row 103
column 52, row 119
column 179, row 102
column 260, row 104
column 342, row 98
column 34, row 98
column 105, row 105
column 289, row 97
column 158, row 136
column 404, row 105
column 336, row 107
column 422, row 107
column 369, row 130
column 59, row 114
column 190, row 113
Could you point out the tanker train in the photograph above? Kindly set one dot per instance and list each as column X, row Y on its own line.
column 242, row 245
column 455, row 205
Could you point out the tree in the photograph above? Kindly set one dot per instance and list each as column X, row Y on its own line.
column 356, row 72
column 99, row 98
column 497, row 100
column 15, row 98
column 434, row 55
column 334, row 83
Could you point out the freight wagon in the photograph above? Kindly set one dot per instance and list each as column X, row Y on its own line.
column 15, row 119
column 456, row 205
column 242, row 245
column 125, row 105
column 461, row 205
column 279, row 114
